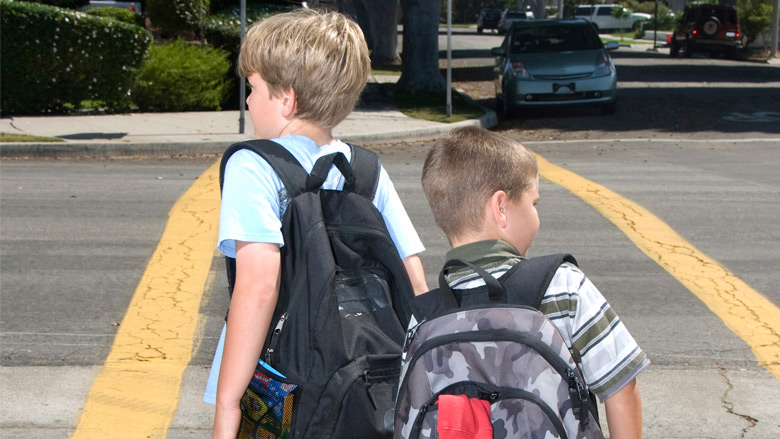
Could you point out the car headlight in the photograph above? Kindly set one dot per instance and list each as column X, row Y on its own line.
column 518, row 70
column 604, row 66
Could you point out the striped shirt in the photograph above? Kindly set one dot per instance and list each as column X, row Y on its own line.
column 606, row 353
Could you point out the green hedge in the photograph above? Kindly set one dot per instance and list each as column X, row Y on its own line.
column 70, row 4
column 52, row 59
column 178, row 16
column 179, row 76
column 123, row 15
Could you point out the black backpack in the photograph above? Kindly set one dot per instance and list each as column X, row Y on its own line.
column 489, row 351
column 344, row 303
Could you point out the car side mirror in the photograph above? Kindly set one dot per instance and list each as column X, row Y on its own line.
column 498, row 51
column 612, row 45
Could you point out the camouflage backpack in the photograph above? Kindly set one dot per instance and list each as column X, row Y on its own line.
column 488, row 362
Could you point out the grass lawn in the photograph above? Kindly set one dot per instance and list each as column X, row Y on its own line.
column 13, row 137
column 433, row 106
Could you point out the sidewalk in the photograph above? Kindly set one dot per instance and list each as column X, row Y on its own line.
column 197, row 132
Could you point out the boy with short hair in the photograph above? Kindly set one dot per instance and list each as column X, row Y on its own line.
column 483, row 189
column 306, row 70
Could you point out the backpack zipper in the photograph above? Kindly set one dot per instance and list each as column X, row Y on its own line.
column 560, row 365
column 492, row 397
column 275, row 337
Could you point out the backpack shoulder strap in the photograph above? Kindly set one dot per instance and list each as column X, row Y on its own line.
column 287, row 167
column 366, row 168
column 527, row 282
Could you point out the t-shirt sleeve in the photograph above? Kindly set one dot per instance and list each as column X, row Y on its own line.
column 606, row 352
column 396, row 219
column 250, row 209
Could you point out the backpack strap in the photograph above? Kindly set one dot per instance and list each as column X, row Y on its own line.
column 364, row 180
column 366, row 167
column 524, row 284
column 285, row 165
column 527, row 282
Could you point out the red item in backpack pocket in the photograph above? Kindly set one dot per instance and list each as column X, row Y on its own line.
column 461, row 417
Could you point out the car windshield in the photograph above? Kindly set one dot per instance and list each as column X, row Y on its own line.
column 541, row 39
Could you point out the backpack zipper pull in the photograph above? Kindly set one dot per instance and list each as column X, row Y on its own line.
column 408, row 340
column 275, row 337
column 579, row 398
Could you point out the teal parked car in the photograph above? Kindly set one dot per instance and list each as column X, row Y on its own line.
column 554, row 63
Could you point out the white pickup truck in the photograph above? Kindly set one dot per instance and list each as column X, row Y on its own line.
column 602, row 17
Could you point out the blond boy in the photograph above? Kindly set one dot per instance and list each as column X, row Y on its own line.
column 483, row 189
column 306, row 70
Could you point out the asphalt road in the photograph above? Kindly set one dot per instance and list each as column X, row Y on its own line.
column 76, row 236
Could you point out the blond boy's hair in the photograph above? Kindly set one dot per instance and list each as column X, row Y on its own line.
column 321, row 55
column 465, row 168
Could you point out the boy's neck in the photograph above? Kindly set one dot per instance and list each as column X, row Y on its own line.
column 299, row 127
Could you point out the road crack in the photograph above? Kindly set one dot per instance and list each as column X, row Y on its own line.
column 729, row 406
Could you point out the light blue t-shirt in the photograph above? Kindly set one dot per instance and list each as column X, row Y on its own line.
column 254, row 199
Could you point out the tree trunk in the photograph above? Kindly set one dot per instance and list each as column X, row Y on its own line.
column 420, row 56
column 377, row 19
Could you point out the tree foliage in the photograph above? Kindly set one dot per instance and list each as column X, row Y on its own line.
column 755, row 17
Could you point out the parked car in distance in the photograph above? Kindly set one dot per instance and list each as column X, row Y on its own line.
column 554, row 63
column 488, row 19
column 602, row 16
column 510, row 16
column 710, row 28
column 133, row 6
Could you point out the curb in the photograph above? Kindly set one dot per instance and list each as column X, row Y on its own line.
column 216, row 147
column 194, row 148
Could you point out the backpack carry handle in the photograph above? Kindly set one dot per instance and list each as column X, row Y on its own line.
column 319, row 172
column 495, row 289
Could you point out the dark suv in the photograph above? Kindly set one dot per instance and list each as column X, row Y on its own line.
column 709, row 28
column 488, row 19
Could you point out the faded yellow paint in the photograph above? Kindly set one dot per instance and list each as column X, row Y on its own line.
column 137, row 392
column 744, row 311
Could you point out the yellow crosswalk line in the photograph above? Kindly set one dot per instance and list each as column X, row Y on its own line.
column 746, row 312
column 137, row 392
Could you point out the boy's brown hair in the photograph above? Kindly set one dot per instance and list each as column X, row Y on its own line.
column 321, row 55
column 465, row 168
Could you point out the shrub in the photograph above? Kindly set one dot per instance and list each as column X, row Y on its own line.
column 51, row 59
column 69, row 4
column 178, row 16
column 123, row 15
column 223, row 29
column 182, row 77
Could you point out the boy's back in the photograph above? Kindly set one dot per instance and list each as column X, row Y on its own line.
column 492, row 221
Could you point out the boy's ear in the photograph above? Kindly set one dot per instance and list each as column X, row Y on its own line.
column 288, row 103
column 496, row 208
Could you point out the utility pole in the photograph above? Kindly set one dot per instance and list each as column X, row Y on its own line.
column 242, row 80
column 449, row 59
column 773, row 39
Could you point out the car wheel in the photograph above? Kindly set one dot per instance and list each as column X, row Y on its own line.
column 610, row 108
column 674, row 48
column 711, row 26
column 731, row 53
column 479, row 30
column 688, row 50
column 504, row 108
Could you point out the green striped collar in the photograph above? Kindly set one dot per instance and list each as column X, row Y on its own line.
column 486, row 254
